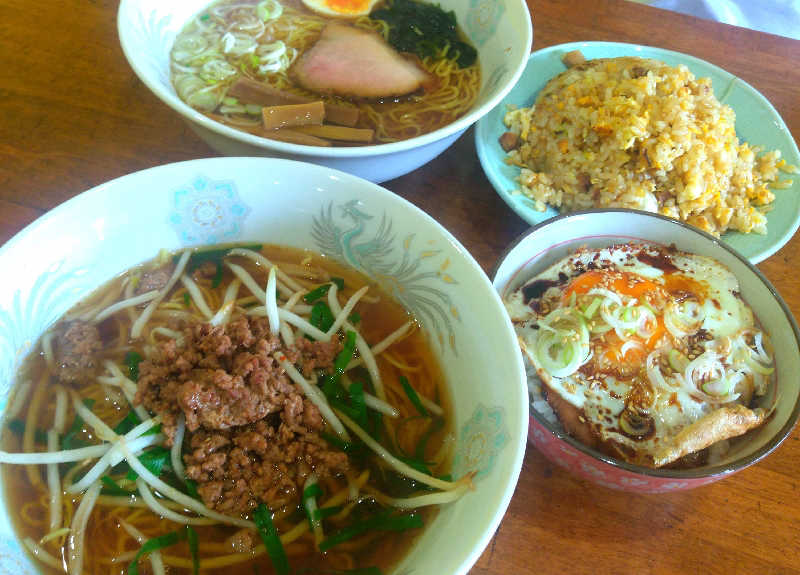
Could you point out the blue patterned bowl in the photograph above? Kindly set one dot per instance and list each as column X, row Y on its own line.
column 501, row 30
column 80, row 245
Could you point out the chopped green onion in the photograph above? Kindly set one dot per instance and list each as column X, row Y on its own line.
column 412, row 395
column 313, row 490
column 324, row 512
column 358, row 403
column 338, row 443
column 354, row 317
column 437, row 424
column 191, row 489
column 217, row 279
column 205, row 17
column 154, row 544
column 132, row 360
column 191, row 537
column 130, row 421
column 200, row 257
column 113, row 488
column 187, row 299
column 17, row 426
column 316, row 293
column 153, row 459
column 592, row 308
column 344, row 356
column 321, row 316
column 339, row 283
column 380, row 522
column 70, row 441
column 269, row 536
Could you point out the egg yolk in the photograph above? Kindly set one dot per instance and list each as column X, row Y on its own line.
column 348, row 6
column 623, row 283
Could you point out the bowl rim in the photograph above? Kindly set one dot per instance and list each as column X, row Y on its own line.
column 692, row 473
column 190, row 114
column 518, row 416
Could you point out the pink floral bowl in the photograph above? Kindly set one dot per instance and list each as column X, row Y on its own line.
column 553, row 239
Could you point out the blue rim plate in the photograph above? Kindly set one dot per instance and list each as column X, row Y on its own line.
column 757, row 122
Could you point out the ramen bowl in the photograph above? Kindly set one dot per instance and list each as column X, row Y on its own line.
column 553, row 240
column 83, row 243
column 500, row 30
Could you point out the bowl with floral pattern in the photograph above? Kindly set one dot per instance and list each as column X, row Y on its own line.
column 80, row 245
column 500, row 31
column 553, row 240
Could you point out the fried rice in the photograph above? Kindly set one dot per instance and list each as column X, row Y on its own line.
column 636, row 133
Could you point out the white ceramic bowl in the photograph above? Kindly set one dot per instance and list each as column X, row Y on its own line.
column 552, row 240
column 500, row 29
column 81, row 244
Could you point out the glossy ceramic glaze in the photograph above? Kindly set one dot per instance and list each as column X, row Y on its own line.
column 554, row 239
column 500, row 29
column 78, row 246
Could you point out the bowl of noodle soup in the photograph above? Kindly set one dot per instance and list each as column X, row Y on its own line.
column 409, row 130
column 251, row 384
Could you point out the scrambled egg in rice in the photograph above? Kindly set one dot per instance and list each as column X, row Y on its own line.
column 636, row 133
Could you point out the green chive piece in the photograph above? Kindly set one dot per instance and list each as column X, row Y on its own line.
column 412, row 395
column 130, row 421
column 132, row 360
column 316, row 293
column 358, row 403
column 191, row 537
column 339, row 283
column 269, row 535
column 154, row 544
column 321, row 316
column 354, row 317
column 344, row 356
column 17, row 426
column 70, row 440
column 111, row 487
column 153, row 459
column 187, row 299
column 325, row 512
column 217, row 276
column 381, row 522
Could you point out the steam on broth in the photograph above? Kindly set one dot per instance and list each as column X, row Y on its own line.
column 247, row 63
column 253, row 408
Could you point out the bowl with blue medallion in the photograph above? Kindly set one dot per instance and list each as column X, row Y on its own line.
column 78, row 246
column 500, row 31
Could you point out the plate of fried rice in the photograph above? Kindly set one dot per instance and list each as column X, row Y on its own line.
column 605, row 124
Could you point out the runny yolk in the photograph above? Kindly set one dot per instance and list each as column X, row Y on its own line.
column 623, row 283
column 348, row 6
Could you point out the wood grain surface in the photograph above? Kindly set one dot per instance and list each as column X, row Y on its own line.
column 74, row 115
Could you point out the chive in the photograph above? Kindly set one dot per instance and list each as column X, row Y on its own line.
column 419, row 452
column 269, row 535
column 321, row 316
column 191, row 489
column 412, row 395
column 338, row 443
column 200, row 257
column 70, row 440
column 417, row 464
column 130, row 421
column 316, row 293
column 354, row 317
column 217, row 276
column 339, row 283
column 191, row 537
column 153, row 459
column 132, row 360
column 187, row 300
column 344, row 356
column 358, row 403
column 205, row 17
column 154, row 544
column 17, row 426
column 380, row 522
column 113, row 488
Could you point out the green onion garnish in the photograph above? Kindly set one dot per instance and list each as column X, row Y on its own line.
column 358, row 403
column 354, row 317
column 70, row 441
column 217, row 279
column 344, row 356
column 325, row 512
column 130, row 421
column 132, row 360
column 111, row 487
column 191, row 537
column 17, row 426
column 272, row 541
column 321, row 316
column 187, row 299
column 154, row 544
column 412, row 395
column 339, row 283
column 381, row 522
column 316, row 293
column 153, row 459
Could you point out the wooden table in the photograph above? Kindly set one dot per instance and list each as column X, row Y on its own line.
column 73, row 115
